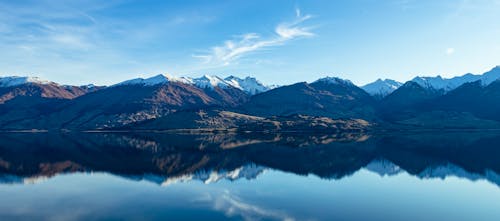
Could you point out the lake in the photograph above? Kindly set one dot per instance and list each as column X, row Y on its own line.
column 163, row 176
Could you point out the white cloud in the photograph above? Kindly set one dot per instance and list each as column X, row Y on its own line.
column 450, row 51
column 233, row 206
column 244, row 44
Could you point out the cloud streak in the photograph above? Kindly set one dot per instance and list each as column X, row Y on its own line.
column 233, row 206
column 242, row 45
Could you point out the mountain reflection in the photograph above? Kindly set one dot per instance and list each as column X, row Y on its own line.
column 171, row 158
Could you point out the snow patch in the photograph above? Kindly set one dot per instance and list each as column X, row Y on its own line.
column 249, row 85
column 448, row 84
column 335, row 80
column 16, row 80
column 381, row 87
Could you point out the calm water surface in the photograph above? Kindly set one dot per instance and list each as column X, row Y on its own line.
column 117, row 176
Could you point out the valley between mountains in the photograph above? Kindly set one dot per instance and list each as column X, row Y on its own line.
column 211, row 103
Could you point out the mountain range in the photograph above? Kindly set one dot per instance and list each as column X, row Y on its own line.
column 164, row 102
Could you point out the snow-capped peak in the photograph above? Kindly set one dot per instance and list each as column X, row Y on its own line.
column 155, row 80
column 334, row 80
column 439, row 83
column 86, row 86
column 491, row 76
column 381, row 87
column 158, row 79
column 449, row 84
column 249, row 84
column 208, row 81
column 16, row 80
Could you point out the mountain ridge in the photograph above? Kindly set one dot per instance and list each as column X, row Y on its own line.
column 43, row 105
column 379, row 87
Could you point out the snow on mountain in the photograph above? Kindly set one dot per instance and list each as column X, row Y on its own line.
column 448, row 84
column 87, row 86
column 155, row 80
column 252, row 86
column 207, row 81
column 249, row 84
column 334, row 80
column 15, row 81
column 440, row 83
column 491, row 76
column 381, row 87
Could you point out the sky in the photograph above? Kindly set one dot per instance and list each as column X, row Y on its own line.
column 278, row 42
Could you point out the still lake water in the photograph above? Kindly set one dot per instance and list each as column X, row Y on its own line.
column 120, row 176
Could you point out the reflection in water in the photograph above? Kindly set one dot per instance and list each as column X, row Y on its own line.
column 232, row 206
column 251, row 176
column 172, row 158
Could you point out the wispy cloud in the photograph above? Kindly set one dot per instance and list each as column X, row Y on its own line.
column 60, row 28
column 79, row 41
column 245, row 44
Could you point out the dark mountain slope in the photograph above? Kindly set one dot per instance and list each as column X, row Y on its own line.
column 31, row 101
column 42, row 90
column 327, row 97
column 406, row 101
column 481, row 101
column 124, row 104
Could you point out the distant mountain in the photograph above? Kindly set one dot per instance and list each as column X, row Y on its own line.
column 381, row 88
column 471, row 105
column 439, row 83
column 331, row 97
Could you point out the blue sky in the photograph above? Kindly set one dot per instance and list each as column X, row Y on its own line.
column 279, row 42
